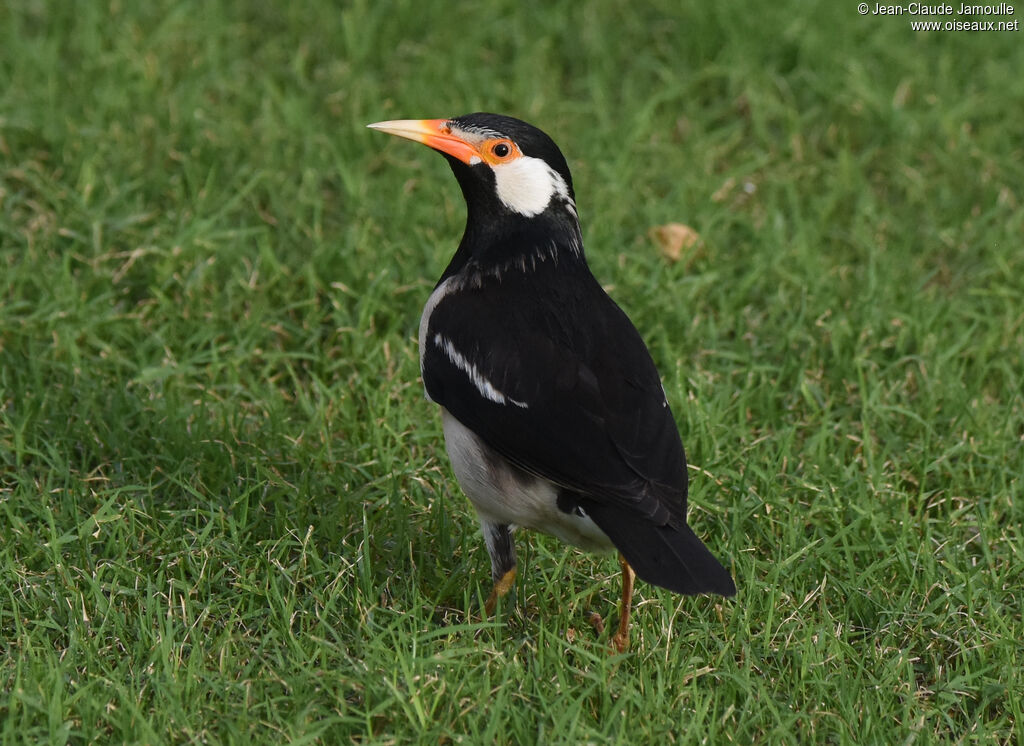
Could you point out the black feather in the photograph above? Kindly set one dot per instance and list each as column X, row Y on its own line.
column 669, row 556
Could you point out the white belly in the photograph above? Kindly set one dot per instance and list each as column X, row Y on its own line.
column 504, row 494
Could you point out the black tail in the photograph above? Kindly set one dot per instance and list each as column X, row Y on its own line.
column 672, row 558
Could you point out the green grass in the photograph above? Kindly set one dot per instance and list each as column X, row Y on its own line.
column 226, row 515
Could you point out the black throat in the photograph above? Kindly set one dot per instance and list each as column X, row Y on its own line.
column 498, row 240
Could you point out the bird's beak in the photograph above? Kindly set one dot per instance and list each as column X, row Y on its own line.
column 434, row 133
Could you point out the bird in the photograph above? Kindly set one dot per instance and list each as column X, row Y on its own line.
column 554, row 415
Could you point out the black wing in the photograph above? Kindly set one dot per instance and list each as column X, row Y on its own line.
column 553, row 375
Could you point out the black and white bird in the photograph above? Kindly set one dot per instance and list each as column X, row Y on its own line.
column 554, row 415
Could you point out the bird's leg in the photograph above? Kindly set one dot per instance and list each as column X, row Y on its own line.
column 502, row 550
column 501, row 586
column 620, row 640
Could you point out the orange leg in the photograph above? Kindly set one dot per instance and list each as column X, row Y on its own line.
column 620, row 640
column 501, row 587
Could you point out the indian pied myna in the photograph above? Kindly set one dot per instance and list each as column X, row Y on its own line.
column 554, row 415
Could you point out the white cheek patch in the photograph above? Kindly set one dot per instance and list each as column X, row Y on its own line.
column 526, row 185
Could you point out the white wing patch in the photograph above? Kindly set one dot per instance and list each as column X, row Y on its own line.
column 526, row 185
column 485, row 387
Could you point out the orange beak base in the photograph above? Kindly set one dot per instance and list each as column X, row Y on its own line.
column 434, row 133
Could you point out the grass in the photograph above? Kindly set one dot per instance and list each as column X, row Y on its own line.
column 226, row 515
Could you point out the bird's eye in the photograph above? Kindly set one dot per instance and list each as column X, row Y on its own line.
column 501, row 149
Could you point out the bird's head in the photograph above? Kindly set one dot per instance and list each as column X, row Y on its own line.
column 507, row 169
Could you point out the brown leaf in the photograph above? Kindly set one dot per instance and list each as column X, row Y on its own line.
column 675, row 239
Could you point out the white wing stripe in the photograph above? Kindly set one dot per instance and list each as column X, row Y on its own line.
column 485, row 387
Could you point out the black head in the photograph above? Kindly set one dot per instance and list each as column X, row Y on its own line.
column 518, row 191
column 527, row 139
column 504, row 165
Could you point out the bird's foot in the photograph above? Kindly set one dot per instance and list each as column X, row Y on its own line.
column 620, row 640
column 501, row 587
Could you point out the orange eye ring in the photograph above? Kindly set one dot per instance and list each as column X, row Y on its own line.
column 501, row 151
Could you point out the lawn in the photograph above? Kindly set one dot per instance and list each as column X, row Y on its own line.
column 226, row 513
